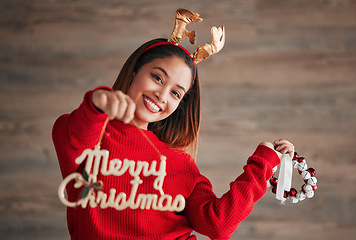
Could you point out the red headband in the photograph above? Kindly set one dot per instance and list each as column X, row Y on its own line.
column 168, row 43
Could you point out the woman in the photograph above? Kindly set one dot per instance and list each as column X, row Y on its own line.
column 154, row 110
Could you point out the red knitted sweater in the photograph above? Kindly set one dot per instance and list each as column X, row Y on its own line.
column 203, row 212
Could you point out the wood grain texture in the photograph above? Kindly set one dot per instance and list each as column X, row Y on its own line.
column 287, row 71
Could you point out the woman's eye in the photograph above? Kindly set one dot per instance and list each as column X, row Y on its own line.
column 158, row 78
column 176, row 94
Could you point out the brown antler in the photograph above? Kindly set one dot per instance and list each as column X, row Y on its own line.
column 203, row 52
column 182, row 18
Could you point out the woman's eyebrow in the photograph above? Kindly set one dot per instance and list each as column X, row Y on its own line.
column 181, row 87
column 161, row 69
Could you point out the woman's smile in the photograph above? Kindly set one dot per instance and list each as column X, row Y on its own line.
column 151, row 105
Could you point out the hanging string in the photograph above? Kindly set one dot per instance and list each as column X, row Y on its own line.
column 147, row 138
column 102, row 132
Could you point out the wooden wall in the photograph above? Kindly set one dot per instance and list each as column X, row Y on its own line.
column 287, row 71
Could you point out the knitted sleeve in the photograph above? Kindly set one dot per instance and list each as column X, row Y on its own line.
column 74, row 132
column 218, row 218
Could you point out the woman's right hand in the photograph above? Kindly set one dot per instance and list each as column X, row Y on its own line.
column 115, row 104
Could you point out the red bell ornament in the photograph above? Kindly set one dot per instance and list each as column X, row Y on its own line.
column 311, row 171
column 274, row 189
column 273, row 181
column 293, row 192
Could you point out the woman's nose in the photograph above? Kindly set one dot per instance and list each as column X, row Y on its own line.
column 161, row 95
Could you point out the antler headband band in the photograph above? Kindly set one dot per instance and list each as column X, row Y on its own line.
column 182, row 18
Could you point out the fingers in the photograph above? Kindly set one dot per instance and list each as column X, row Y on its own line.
column 285, row 147
column 126, row 110
column 116, row 105
column 120, row 107
column 130, row 111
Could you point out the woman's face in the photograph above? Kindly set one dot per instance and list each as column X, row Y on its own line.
column 157, row 89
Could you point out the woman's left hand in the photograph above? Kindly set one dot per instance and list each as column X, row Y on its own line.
column 283, row 146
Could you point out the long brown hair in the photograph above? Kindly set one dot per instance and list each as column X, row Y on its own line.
column 181, row 128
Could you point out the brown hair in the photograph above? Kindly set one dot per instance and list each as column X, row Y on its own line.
column 181, row 128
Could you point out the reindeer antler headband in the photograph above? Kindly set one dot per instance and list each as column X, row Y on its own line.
column 182, row 18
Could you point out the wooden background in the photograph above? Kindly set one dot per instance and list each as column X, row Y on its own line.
column 287, row 71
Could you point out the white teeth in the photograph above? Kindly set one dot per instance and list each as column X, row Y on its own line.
column 152, row 105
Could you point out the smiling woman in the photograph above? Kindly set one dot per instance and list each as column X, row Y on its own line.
column 180, row 129
column 154, row 112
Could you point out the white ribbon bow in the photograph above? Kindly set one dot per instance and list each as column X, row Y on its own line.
column 284, row 177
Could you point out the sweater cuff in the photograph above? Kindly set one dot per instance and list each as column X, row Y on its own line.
column 268, row 154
